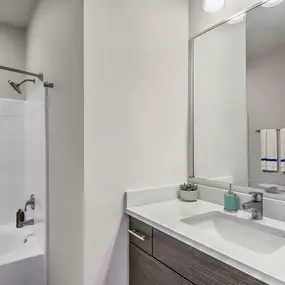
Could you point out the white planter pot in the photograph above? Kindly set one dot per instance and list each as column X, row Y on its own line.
column 190, row 196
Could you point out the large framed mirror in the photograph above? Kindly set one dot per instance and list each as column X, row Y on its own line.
column 238, row 99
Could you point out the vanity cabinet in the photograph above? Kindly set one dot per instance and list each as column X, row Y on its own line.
column 163, row 260
column 146, row 270
column 143, row 229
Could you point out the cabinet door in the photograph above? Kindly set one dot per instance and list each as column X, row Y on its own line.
column 143, row 229
column 195, row 265
column 145, row 270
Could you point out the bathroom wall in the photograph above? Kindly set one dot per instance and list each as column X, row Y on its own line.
column 136, row 113
column 22, row 151
column 266, row 101
column 220, row 124
column 55, row 46
column 12, row 54
column 12, row 166
column 200, row 20
column 21, row 132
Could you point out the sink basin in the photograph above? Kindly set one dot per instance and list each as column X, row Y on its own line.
column 246, row 233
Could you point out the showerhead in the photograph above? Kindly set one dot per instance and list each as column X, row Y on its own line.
column 17, row 86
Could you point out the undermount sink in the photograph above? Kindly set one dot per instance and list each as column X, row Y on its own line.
column 246, row 233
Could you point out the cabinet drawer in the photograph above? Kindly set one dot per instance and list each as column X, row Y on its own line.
column 195, row 265
column 141, row 235
column 145, row 270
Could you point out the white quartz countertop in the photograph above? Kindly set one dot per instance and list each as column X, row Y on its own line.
column 166, row 216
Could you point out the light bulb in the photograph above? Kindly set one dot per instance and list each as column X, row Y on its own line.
column 213, row 6
column 272, row 3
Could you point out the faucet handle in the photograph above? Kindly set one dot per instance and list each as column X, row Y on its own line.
column 256, row 196
column 31, row 202
column 32, row 197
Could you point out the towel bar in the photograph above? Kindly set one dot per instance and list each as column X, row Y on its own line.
column 278, row 130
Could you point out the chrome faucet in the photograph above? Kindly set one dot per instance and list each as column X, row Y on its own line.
column 26, row 223
column 20, row 222
column 255, row 205
column 31, row 202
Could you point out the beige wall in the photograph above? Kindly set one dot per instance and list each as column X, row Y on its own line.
column 55, row 46
column 136, row 104
column 200, row 21
column 12, row 54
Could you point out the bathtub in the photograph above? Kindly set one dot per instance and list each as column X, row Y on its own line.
column 21, row 257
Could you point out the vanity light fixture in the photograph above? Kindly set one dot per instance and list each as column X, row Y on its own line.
column 272, row 3
column 237, row 19
column 213, row 6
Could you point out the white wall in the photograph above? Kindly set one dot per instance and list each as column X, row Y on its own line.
column 16, row 12
column 266, row 101
column 55, row 47
column 22, row 130
column 12, row 167
column 200, row 20
column 220, row 117
column 136, row 101
column 22, row 164
column 12, row 54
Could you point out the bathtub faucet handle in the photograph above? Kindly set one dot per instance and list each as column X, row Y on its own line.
column 31, row 202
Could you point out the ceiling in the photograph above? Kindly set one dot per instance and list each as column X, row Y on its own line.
column 16, row 12
column 265, row 29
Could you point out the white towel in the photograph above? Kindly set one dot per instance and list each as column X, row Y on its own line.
column 282, row 150
column 263, row 142
column 269, row 150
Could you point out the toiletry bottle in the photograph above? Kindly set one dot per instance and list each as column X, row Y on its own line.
column 231, row 202
column 20, row 217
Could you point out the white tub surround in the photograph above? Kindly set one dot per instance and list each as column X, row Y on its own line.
column 165, row 214
column 20, row 255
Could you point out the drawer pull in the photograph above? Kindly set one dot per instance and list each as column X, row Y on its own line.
column 137, row 235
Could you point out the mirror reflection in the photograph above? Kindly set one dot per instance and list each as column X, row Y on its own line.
column 239, row 99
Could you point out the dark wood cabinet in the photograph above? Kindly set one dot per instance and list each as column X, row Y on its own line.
column 163, row 260
column 195, row 265
column 145, row 270
column 141, row 229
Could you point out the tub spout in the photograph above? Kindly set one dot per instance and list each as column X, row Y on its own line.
column 26, row 223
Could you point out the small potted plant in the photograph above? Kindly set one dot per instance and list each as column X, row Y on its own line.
column 188, row 192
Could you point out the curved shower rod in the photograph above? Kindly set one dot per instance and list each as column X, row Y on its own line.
column 40, row 75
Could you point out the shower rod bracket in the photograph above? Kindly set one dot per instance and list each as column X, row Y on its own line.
column 48, row 84
column 41, row 76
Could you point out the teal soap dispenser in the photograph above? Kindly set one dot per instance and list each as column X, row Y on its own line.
column 231, row 202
